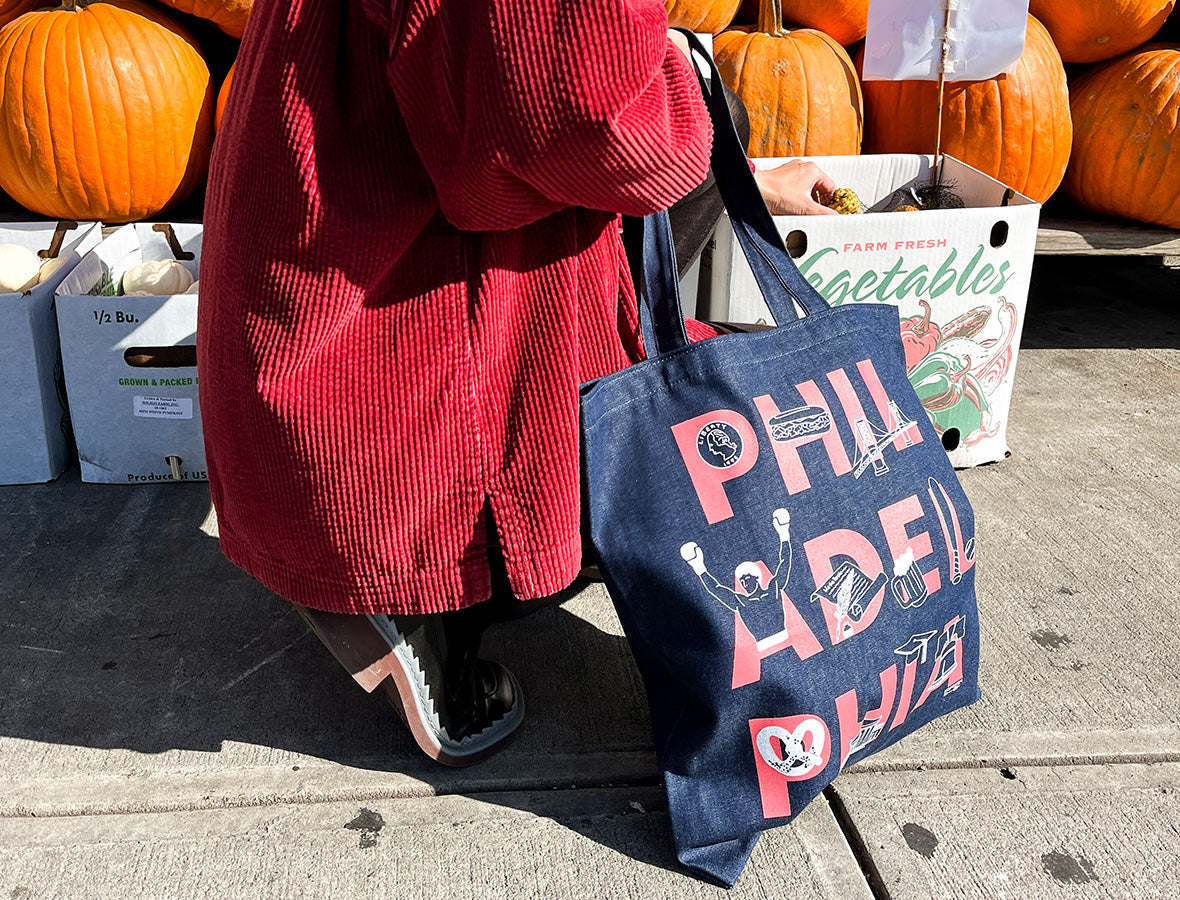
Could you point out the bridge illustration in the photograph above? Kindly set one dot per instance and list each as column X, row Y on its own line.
column 870, row 440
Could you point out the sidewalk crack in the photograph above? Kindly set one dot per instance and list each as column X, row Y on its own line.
column 856, row 842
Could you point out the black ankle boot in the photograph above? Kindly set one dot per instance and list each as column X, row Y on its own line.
column 460, row 708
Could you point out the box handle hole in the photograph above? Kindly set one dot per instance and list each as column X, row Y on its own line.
column 182, row 356
column 1000, row 234
column 950, row 439
column 796, row 243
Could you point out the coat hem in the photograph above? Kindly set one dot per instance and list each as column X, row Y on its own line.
column 424, row 592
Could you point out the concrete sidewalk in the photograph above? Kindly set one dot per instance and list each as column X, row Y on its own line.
column 168, row 729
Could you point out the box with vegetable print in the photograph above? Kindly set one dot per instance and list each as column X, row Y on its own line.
column 959, row 275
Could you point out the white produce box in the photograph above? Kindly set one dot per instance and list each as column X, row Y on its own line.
column 130, row 361
column 35, row 438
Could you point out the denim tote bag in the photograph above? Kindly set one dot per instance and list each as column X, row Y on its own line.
column 784, row 539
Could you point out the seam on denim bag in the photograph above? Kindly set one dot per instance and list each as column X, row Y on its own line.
column 665, row 386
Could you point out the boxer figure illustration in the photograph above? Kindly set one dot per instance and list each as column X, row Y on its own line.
column 756, row 594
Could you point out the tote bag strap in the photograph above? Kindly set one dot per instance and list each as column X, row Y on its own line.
column 649, row 245
column 782, row 285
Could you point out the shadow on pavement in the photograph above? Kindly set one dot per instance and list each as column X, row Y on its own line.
column 125, row 627
column 1102, row 302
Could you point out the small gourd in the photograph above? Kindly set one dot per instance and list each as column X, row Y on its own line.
column 194, row 288
column 49, row 268
column 845, row 202
column 158, row 277
column 19, row 268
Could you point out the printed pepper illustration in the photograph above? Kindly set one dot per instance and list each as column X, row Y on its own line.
column 919, row 336
column 956, row 378
column 967, row 325
column 951, row 394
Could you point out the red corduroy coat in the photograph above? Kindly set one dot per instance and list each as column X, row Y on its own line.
column 410, row 262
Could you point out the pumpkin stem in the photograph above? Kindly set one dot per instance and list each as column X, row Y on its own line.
column 770, row 17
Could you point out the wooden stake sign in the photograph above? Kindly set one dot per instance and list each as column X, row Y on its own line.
column 943, row 40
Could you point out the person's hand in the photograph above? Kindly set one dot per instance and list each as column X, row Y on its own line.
column 793, row 189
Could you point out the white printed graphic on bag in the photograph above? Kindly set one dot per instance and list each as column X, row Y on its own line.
column 760, row 605
column 869, row 439
column 722, row 446
column 946, row 672
column 801, row 751
column 719, row 444
column 800, row 422
column 848, row 578
column 908, row 584
column 749, row 583
column 961, row 554
column 791, row 748
column 797, row 748
column 851, row 592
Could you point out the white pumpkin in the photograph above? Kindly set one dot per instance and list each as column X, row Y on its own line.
column 194, row 288
column 19, row 268
column 159, row 277
column 50, row 267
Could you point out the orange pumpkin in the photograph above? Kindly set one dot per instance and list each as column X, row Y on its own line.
column 1094, row 30
column 228, row 15
column 10, row 9
column 222, row 96
column 799, row 87
column 106, row 112
column 1015, row 127
column 844, row 20
column 702, row 16
column 1126, row 115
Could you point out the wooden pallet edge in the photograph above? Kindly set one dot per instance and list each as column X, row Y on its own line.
column 1097, row 237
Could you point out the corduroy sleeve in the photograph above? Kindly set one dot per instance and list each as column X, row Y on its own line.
column 519, row 108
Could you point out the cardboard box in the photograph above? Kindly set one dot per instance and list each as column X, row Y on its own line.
column 35, row 440
column 959, row 278
column 130, row 362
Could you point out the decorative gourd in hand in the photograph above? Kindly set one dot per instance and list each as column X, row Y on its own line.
column 844, row 201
